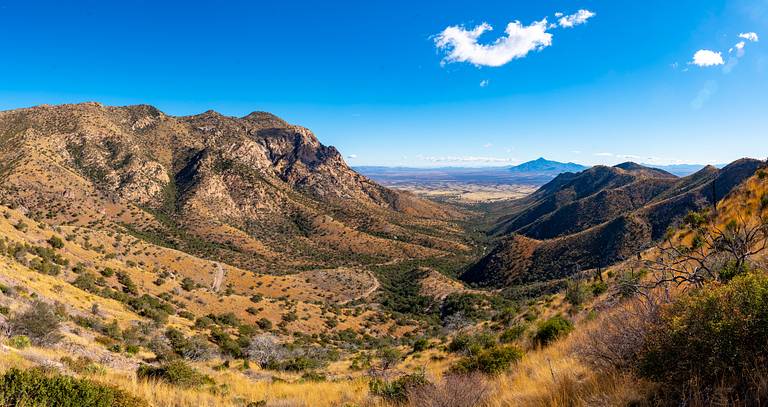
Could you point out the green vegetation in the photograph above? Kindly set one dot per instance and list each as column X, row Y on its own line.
column 35, row 388
column 552, row 329
column 397, row 390
column 19, row 342
column 493, row 360
column 711, row 338
column 176, row 372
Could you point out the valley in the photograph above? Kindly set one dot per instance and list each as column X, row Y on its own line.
column 215, row 260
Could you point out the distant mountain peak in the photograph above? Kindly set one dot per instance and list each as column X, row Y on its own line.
column 542, row 165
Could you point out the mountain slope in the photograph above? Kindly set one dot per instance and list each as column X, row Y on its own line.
column 596, row 218
column 255, row 192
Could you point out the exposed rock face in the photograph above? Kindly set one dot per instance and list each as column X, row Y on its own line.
column 208, row 180
column 596, row 218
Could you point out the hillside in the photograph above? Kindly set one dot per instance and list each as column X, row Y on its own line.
column 254, row 192
column 596, row 218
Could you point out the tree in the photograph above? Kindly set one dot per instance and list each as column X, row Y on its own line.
column 713, row 254
column 39, row 322
column 389, row 357
column 265, row 350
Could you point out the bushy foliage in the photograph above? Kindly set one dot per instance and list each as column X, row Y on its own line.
column 552, row 329
column 56, row 242
column 470, row 305
column 512, row 334
column 176, row 372
column 493, row 360
column 389, row 357
column 694, row 220
column 402, row 292
column 35, row 388
column 577, row 292
column 471, row 344
column 39, row 322
column 713, row 336
column 420, row 345
column 397, row 390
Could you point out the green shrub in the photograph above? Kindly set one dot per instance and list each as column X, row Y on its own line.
column 470, row 305
column 176, row 372
column 694, row 219
column 576, row 292
column 397, row 390
column 512, row 334
column 551, row 330
column 470, row 344
column 56, row 242
column 420, row 345
column 188, row 284
column 715, row 335
column 19, row 342
column 764, row 201
column 599, row 287
column 35, row 388
column 264, row 324
column 490, row 361
column 389, row 357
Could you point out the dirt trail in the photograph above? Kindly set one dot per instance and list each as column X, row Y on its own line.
column 367, row 292
column 218, row 278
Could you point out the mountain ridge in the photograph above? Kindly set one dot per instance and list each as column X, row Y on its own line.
column 596, row 218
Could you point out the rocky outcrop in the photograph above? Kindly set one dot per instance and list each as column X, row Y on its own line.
column 202, row 177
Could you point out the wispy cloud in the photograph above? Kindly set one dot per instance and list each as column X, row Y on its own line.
column 487, row 145
column 352, row 156
column 465, row 159
column 604, row 154
column 484, row 83
column 577, row 18
column 705, row 58
column 751, row 36
column 462, row 44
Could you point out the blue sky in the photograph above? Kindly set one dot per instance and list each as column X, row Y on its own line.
column 369, row 78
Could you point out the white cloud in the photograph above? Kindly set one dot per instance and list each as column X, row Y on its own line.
column 352, row 156
column 740, row 45
column 576, row 151
column 484, row 83
column 705, row 57
column 577, row 18
column 750, row 36
column 558, row 14
column 462, row 45
column 487, row 145
column 604, row 154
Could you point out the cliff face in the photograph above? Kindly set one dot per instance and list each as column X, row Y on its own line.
column 248, row 189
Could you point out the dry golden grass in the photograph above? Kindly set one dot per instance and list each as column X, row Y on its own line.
column 554, row 377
